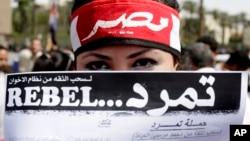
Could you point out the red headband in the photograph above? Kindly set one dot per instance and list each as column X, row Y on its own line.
column 141, row 20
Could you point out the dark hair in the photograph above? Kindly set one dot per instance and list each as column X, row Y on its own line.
column 185, row 60
column 200, row 55
column 53, row 61
column 62, row 61
column 209, row 41
column 44, row 63
column 171, row 3
column 3, row 48
column 240, row 58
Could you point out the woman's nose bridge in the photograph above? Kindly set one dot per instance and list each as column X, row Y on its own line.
column 120, row 65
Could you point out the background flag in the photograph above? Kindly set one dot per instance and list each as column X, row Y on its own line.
column 51, row 41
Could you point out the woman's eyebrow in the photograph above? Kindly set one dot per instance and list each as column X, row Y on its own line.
column 133, row 55
column 96, row 55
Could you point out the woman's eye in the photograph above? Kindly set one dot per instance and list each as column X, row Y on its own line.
column 144, row 64
column 97, row 65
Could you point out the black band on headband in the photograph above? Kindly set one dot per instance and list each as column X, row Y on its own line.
column 109, row 41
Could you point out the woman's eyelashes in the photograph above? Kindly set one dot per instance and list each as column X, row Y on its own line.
column 138, row 64
column 144, row 64
column 97, row 65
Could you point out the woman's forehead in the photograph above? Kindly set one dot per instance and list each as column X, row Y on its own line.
column 124, row 51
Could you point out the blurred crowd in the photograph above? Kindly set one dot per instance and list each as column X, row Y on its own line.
column 202, row 55
column 34, row 57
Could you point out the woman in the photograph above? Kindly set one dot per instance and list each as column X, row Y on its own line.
column 125, row 34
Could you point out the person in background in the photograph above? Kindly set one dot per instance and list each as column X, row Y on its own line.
column 24, row 59
column 44, row 63
column 28, row 56
column 212, row 43
column 3, row 65
column 199, row 57
column 116, row 39
column 238, row 61
column 54, row 60
column 4, row 54
column 36, row 49
column 185, row 60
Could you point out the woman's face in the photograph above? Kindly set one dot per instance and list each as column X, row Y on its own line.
column 126, row 58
